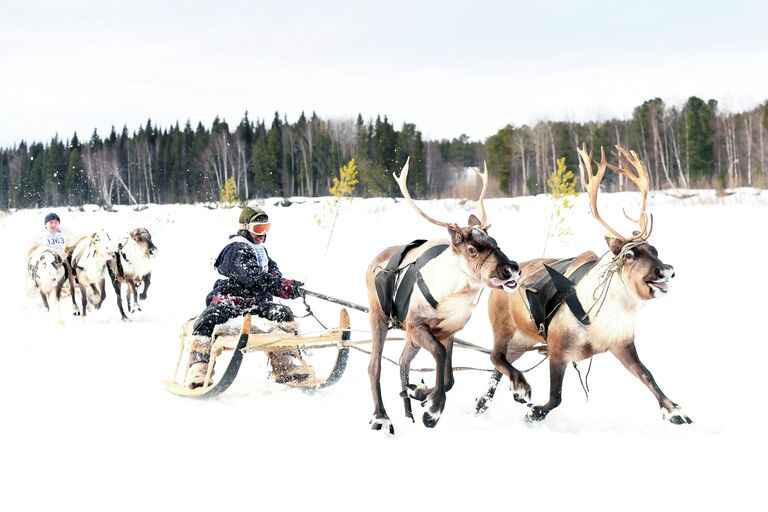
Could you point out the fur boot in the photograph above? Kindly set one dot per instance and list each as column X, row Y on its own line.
column 287, row 366
column 199, row 355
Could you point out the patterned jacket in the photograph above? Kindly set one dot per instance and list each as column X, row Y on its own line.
column 246, row 284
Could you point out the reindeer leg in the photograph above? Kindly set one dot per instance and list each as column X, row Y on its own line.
column 102, row 292
column 45, row 300
column 76, row 310
column 380, row 419
column 517, row 384
column 96, row 296
column 58, row 299
column 557, row 366
column 409, row 352
column 482, row 402
column 448, row 376
column 116, row 286
column 135, row 291
column 83, row 298
column 128, row 297
column 147, row 279
column 627, row 354
column 436, row 396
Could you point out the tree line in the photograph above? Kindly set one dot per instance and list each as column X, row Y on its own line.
column 691, row 146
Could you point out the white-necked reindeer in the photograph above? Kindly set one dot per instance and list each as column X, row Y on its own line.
column 428, row 288
column 132, row 265
column 47, row 270
column 88, row 257
column 609, row 292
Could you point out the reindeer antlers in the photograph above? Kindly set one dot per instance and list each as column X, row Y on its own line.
column 484, row 176
column 641, row 179
column 592, row 184
column 401, row 181
column 407, row 196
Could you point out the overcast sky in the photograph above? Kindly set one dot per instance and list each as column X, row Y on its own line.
column 449, row 67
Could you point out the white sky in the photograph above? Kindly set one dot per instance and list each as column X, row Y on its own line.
column 449, row 67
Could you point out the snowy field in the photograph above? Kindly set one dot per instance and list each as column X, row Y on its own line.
column 87, row 425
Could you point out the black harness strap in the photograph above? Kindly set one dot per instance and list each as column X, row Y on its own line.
column 395, row 299
column 386, row 279
column 566, row 289
column 546, row 294
column 413, row 276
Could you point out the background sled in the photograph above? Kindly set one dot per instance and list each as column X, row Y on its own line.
column 249, row 341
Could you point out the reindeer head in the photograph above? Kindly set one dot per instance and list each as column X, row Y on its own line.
column 48, row 268
column 481, row 257
column 103, row 244
column 144, row 242
column 644, row 274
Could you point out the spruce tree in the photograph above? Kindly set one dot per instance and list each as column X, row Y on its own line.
column 698, row 135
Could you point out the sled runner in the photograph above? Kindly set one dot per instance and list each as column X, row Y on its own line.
column 253, row 339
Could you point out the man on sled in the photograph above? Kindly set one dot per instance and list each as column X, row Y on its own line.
column 251, row 280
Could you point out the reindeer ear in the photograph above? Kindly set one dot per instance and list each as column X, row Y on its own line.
column 456, row 235
column 614, row 244
column 473, row 221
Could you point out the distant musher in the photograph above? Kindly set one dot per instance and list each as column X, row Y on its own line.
column 54, row 236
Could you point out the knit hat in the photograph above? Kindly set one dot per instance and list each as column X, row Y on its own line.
column 253, row 214
column 51, row 216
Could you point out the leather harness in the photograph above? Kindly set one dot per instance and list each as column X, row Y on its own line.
column 547, row 293
column 395, row 298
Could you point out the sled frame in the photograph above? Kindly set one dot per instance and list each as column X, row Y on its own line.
column 248, row 341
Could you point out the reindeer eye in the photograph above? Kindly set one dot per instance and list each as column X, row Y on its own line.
column 471, row 250
column 629, row 255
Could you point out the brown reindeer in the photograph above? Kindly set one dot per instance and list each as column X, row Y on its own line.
column 427, row 288
column 601, row 297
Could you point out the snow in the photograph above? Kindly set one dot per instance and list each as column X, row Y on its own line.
column 87, row 425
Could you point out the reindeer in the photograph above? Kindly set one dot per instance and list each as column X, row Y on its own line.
column 449, row 274
column 602, row 296
column 132, row 266
column 88, row 257
column 47, row 270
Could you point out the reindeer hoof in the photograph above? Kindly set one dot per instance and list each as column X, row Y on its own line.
column 536, row 413
column 676, row 416
column 430, row 420
column 383, row 424
column 521, row 392
column 143, row 296
column 481, row 404
column 521, row 399
column 418, row 392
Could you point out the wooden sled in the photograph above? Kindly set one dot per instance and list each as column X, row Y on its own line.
column 248, row 340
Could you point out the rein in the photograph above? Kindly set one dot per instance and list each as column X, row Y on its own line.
column 600, row 293
column 456, row 341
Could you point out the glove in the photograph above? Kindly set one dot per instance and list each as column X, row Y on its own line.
column 291, row 289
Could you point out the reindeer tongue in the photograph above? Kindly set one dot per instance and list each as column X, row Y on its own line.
column 511, row 283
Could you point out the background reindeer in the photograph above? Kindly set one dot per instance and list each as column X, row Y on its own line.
column 132, row 266
column 427, row 288
column 88, row 257
column 601, row 307
column 47, row 270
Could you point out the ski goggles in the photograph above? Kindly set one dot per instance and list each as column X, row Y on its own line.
column 258, row 228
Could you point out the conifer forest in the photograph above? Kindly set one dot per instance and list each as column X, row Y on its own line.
column 693, row 145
